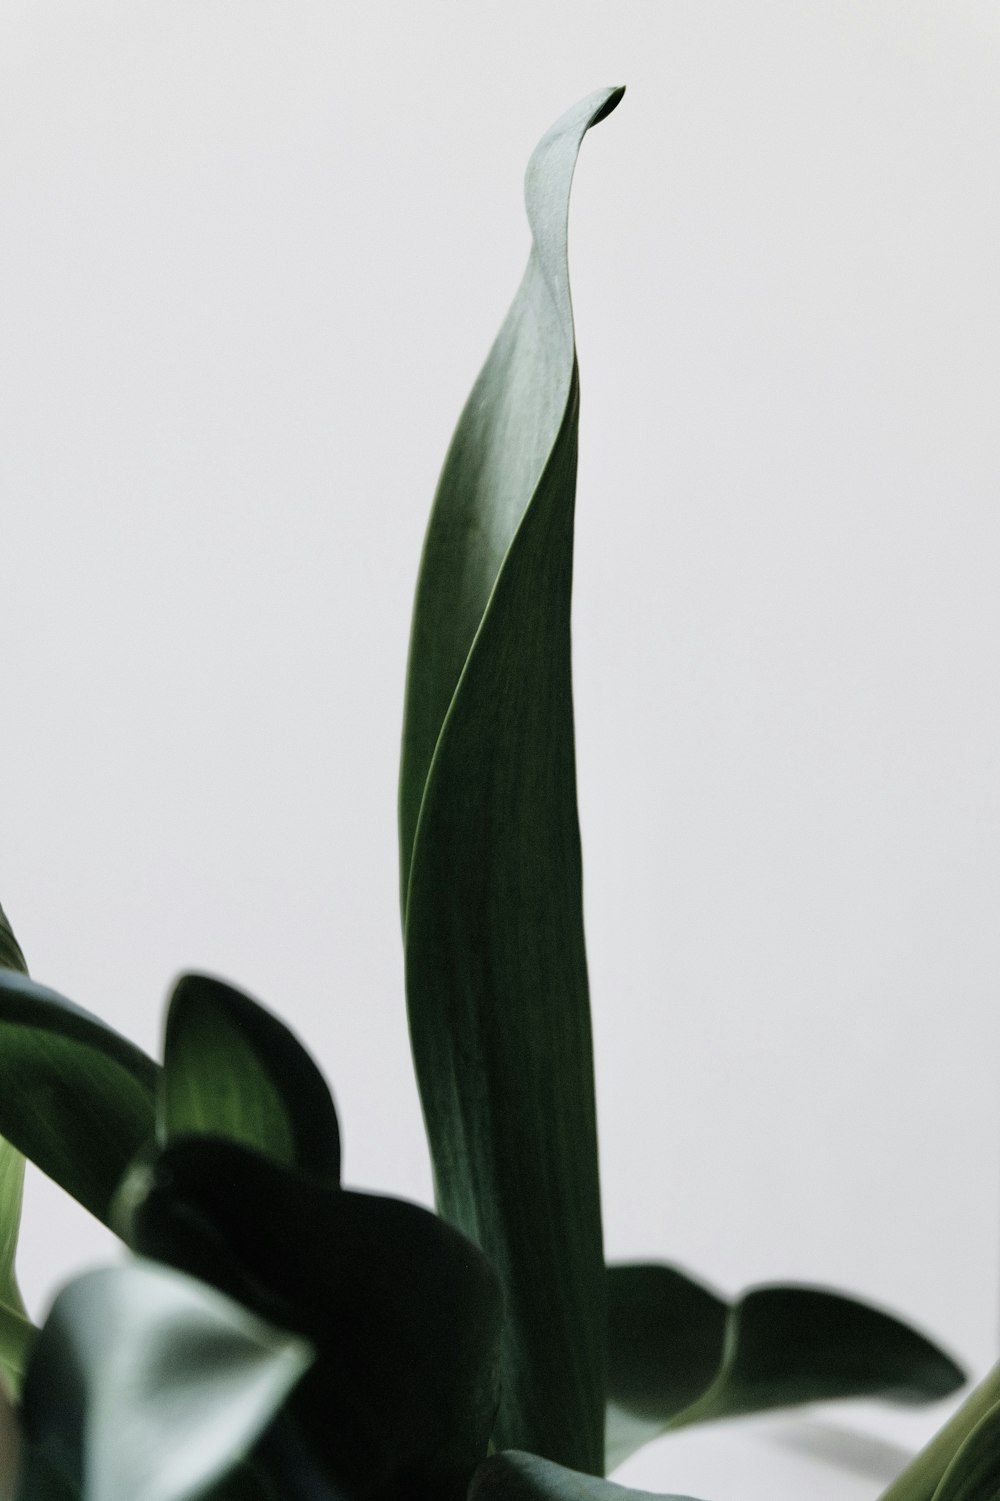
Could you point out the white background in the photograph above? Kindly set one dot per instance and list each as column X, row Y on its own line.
column 252, row 255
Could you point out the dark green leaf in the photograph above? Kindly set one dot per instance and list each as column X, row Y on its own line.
column 11, row 956
column 232, row 1069
column 40, row 1481
column 16, row 1329
column 75, row 1096
column 974, row 1473
column 403, row 1311
column 148, row 1385
column 679, row 1354
column 490, row 852
column 666, row 1335
column 524, row 1477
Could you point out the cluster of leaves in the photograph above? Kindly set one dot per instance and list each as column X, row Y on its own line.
column 378, row 1351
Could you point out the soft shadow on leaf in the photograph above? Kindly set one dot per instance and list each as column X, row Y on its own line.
column 680, row 1354
column 513, row 1476
column 490, row 851
column 76, row 1097
column 231, row 1068
column 403, row 1311
column 149, row 1385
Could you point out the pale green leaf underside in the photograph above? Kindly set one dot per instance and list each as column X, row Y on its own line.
column 490, row 854
column 153, row 1385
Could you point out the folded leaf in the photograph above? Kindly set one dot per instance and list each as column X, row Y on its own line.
column 679, row 1354
column 403, row 1311
column 146, row 1384
column 490, row 853
column 231, row 1068
column 524, row 1477
column 75, row 1096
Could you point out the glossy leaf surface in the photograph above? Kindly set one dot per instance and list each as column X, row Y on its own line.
column 75, row 1097
column 490, row 852
column 231, row 1068
column 680, row 1354
column 403, row 1311
column 524, row 1477
column 149, row 1385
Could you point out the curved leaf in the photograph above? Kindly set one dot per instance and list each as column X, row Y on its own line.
column 16, row 1329
column 524, row 1477
column 11, row 956
column 403, row 1311
column 974, row 1473
column 666, row 1334
column 231, row 1068
column 490, row 852
column 962, row 1457
column 679, row 1354
column 75, row 1097
column 145, row 1383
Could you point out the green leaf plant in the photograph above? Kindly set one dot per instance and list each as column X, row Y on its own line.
column 274, row 1335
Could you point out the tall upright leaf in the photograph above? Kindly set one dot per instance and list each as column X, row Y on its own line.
column 491, row 875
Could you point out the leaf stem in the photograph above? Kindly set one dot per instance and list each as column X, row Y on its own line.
column 922, row 1475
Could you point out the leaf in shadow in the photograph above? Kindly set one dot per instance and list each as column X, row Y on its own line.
column 403, row 1311
column 232, row 1069
column 490, row 850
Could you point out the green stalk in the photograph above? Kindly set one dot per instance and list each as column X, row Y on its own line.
column 923, row 1474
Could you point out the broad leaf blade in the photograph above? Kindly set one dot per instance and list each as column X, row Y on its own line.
column 231, row 1068
column 679, row 1354
column 75, row 1097
column 146, row 1384
column 403, row 1311
column 524, row 1477
column 490, row 852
